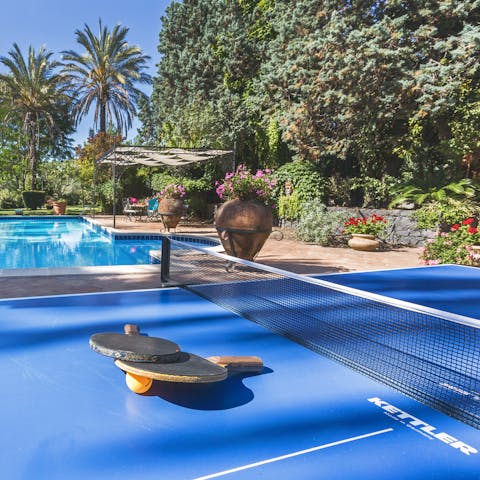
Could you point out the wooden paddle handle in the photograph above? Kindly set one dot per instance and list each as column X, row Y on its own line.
column 249, row 363
column 131, row 329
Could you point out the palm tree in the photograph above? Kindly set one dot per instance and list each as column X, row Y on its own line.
column 33, row 93
column 105, row 75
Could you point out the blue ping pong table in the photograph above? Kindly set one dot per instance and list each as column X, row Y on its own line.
column 67, row 414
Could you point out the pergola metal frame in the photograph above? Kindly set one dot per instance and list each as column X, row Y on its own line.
column 152, row 156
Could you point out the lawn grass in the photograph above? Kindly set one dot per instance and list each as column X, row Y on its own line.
column 71, row 210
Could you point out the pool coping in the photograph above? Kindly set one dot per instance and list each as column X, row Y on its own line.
column 94, row 270
column 115, row 234
column 122, row 235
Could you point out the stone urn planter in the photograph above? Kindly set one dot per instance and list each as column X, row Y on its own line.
column 364, row 242
column 243, row 227
column 171, row 211
column 59, row 208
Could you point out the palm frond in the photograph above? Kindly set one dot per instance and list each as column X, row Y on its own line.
column 36, row 93
column 105, row 75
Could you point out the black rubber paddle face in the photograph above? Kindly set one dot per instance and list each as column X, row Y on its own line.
column 135, row 348
column 189, row 368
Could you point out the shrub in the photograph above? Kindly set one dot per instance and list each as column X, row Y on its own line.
column 162, row 179
column 435, row 214
column 9, row 199
column 319, row 225
column 376, row 192
column 360, row 191
column 465, row 188
column 289, row 207
column 105, row 196
column 306, row 181
column 199, row 191
column 452, row 246
column 33, row 199
column 341, row 191
column 198, row 196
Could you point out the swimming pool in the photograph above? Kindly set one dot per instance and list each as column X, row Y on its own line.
column 69, row 242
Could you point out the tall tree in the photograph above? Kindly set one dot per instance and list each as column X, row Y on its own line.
column 13, row 159
column 355, row 79
column 188, row 75
column 210, row 54
column 364, row 87
column 444, row 36
column 105, row 75
column 34, row 94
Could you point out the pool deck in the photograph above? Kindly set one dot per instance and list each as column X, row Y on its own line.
column 288, row 254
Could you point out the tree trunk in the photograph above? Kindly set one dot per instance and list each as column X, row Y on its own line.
column 32, row 155
column 103, row 118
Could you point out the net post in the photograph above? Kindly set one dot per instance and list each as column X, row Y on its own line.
column 165, row 261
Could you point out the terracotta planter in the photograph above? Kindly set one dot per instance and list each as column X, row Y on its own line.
column 363, row 242
column 171, row 211
column 243, row 227
column 59, row 208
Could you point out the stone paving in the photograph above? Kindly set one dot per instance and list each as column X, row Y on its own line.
column 288, row 254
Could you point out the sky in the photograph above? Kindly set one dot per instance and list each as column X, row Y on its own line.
column 52, row 23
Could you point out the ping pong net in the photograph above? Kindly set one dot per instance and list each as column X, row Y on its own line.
column 429, row 355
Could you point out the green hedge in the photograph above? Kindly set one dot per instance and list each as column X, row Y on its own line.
column 33, row 199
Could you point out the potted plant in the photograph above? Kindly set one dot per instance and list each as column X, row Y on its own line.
column 59, row 207
column 171, row 204
column 365, row 232
column 245, row 221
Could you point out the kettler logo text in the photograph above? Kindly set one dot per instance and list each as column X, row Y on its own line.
column 421, row 426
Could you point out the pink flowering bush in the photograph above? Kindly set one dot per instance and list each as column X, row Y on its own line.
column 173, row 191
column 373, row 225
column 245, row 185
column 454, row 246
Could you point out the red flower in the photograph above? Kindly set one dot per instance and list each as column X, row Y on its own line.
column 472, row 230
column 468, row 221
column 455, row 227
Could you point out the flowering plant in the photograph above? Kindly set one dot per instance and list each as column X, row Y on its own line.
column 132, row 200
column 173, row 191
column 454, row 246
column 245, row 185
column 373, row 225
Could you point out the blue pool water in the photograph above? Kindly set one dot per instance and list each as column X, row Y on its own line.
column 66, row 242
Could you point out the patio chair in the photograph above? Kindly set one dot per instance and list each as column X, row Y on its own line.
column 128, row 210
column 152, row 209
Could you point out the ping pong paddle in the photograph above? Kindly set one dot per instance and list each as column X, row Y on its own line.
column 190, row 368
column 145, row 359
column 135, row 347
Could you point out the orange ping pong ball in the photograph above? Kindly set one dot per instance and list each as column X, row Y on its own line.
column 137, row 383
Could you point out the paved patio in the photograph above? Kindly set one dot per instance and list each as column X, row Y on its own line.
column 288, row 254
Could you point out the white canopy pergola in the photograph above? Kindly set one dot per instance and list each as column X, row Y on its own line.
column 129, row 155
column 159, row 156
